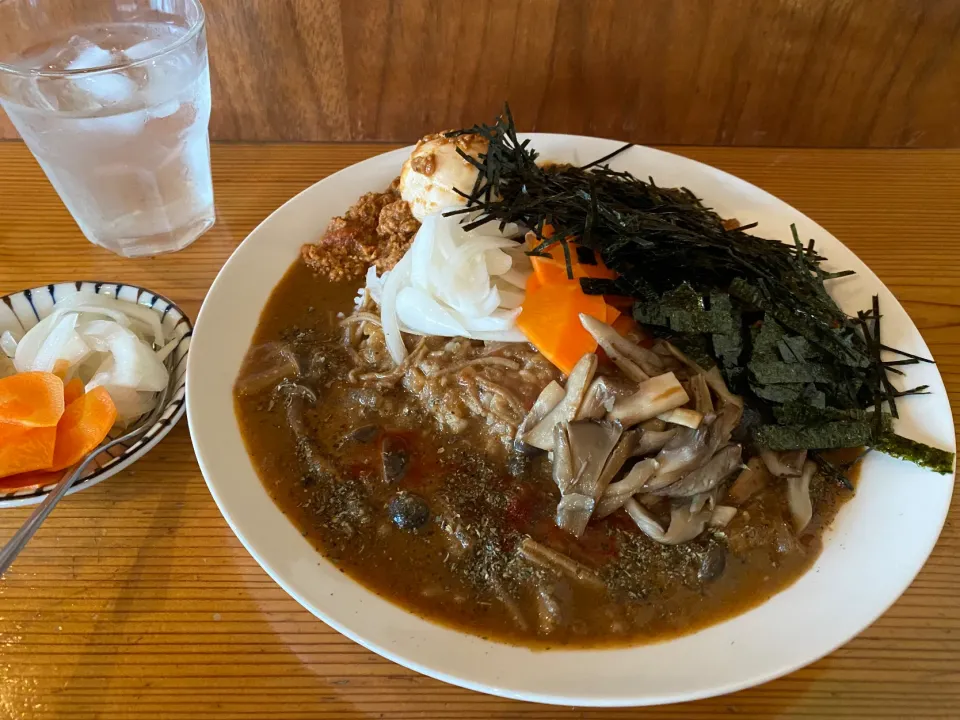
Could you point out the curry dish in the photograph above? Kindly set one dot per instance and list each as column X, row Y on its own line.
column 561, row 406
column 433, row 520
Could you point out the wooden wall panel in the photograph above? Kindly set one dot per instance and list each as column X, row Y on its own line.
column 850, row 73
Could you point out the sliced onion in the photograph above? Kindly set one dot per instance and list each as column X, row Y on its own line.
column 510, row 298
column 395, row 280
column 421, row 313
column 8, row 343
column 374, row 285
column 497, row 321
column 516, row 278
column 450, row 283
column 62, row 344
column 87, row 301
column 131, row 363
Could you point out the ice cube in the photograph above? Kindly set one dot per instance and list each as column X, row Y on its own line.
column 88, row 55
column 147, row 48
column 35, row 94
column 165, row 109
column 107, row 88
column 128, row 123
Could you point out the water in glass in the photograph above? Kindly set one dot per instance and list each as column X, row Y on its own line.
column 126, row 147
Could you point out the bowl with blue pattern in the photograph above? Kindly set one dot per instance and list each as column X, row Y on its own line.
column 21, row 311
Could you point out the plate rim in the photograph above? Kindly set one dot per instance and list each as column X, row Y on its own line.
column 509, row 692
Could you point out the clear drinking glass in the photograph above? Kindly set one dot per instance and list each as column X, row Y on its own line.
column 113, row 99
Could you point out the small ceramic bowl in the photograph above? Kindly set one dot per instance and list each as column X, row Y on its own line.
column 21, row 311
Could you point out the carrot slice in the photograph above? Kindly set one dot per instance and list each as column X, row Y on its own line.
column 30, row 480
column 72, row 390
column 31, row 399
column 84, row 425
column 550, row 318
column 612, row 315
column 60, row 368
column 24, row 449
column 533, row 283
column 552, row 266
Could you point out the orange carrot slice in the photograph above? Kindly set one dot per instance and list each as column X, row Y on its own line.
column 612, row 315
column 533, row 283
column 625, row 324
column 84, row 425
column 550, row 318
column 30, row 480
column 60, row 368
column 552, row 267
column 31, row 399
column 24, row 449
column 72, row 390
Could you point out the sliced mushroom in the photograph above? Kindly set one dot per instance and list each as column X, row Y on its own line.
column 549, row 613
column 653, row 397
column 590, row 446
column 699, row 390
column 601, row 396
column 684, row 525
column 706, row 477
column 644, row 519
column 618, row 458
column 703, row 500
column 617, row 494
column 681, row 356
column 548, row 399
column 784, row 464
column 511, row 606
column 715, row 381
column 265, row 366
column 722, row 515
column 798, row 496
column 682, row 416
column 753, row 478
column 573, row 513
column 635, row 361
column 651, row 441
column 541, row 435
column 549, row 559
column 563, row 472
column 691, row 448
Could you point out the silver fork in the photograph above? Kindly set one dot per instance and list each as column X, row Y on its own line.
column 19, row 540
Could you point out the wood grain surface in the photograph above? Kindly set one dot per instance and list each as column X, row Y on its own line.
column 840, row 73
column 135, row 600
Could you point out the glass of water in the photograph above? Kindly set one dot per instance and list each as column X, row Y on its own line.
column 113, row 99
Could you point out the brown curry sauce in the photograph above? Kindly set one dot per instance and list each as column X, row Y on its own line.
column 654, row 592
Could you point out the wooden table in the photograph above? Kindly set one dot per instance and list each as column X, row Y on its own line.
column 136, row 600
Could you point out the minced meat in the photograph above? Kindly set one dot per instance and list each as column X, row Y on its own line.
column 376, row 230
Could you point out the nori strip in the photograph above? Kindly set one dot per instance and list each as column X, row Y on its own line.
column 776, row 372
column 840, row 434
column 923, row 455
column 718, row 294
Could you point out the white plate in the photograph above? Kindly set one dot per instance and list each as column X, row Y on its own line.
column 876, row 546
column 22, row 310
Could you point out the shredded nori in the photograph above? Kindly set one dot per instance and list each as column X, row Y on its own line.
column 937, row 460
column 758, row 309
